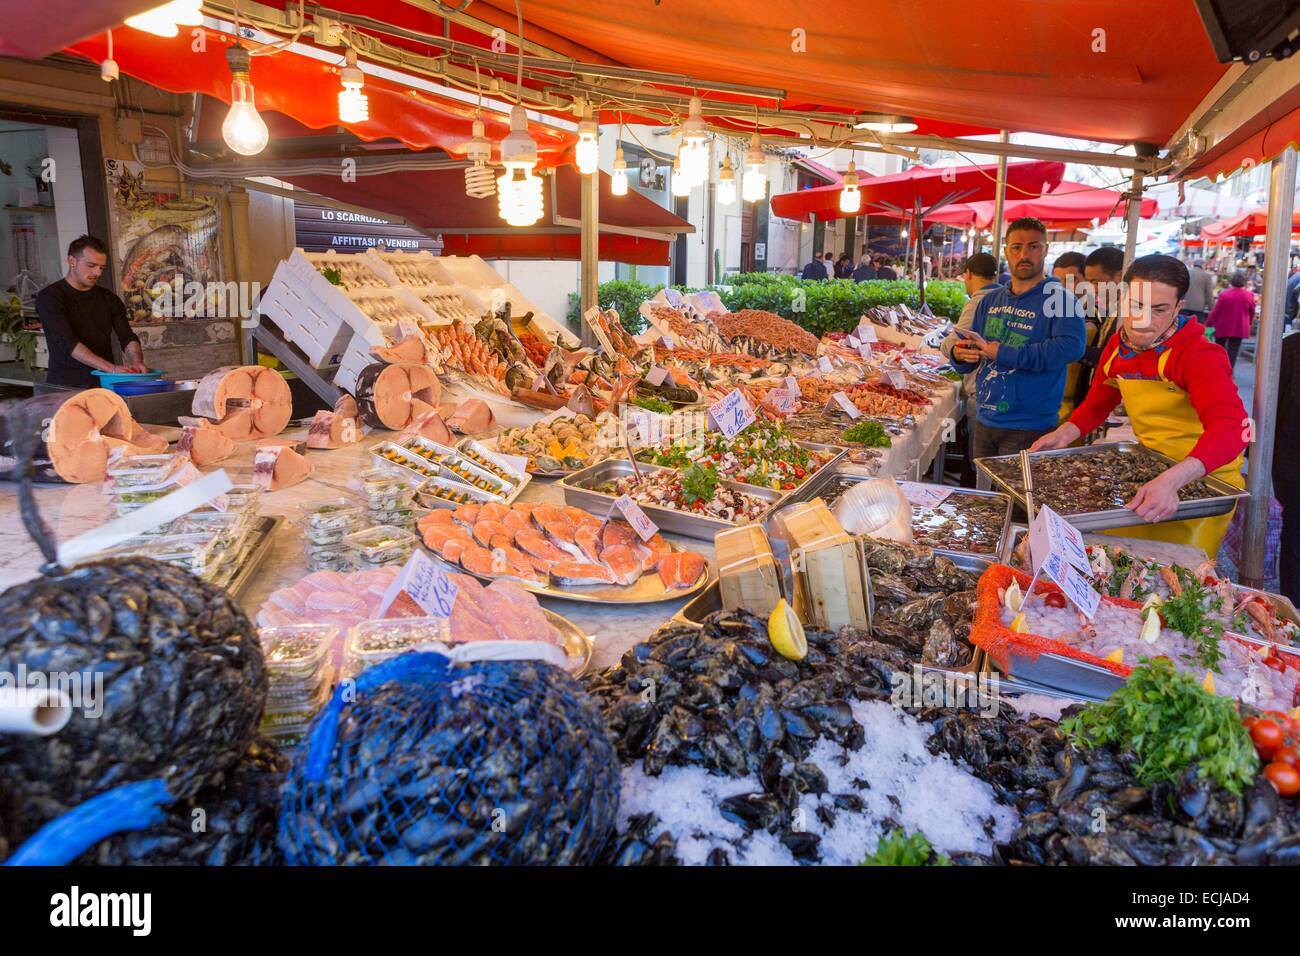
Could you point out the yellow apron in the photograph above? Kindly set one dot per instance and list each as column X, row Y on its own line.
column 1165, row 421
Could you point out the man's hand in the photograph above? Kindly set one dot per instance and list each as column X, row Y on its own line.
column 989, row 350
column 1060, row 438
column 967, row 353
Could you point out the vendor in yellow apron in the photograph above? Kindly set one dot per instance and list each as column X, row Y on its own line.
column 1165, row 421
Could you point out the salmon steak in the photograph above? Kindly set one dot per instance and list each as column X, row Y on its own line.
column 623, row 563
column 580, row 574
column 681, row 569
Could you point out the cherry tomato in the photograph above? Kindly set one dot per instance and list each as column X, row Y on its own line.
column 1209, row 580
column 1284, row 778
column 1267, row 737
column 1290, row 754
column 1054, row 599
column 1249, row 723
column 1275, row 662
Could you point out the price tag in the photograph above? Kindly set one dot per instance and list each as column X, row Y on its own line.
column 824, row 364
column 594, row 318
column 842, row 401
column 732, row 413
column 408, row 328
column 896, row 379
column 657, row 375
column 792, row 386
column 923, row 495
column 426, row 584
column 781, row 400
column 865, row 351
column 1052, row 534
column 667, row 340
column 893, row 318
column 867, row 332
column 541, row 383
column 853, row 341
column 642, row 525
column 1076, row 587
column 644, row 425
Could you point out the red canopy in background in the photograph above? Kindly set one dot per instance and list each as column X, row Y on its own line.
column 919, row 184
column 37, row 29
column 1253, row 222
column 633, row 229
column 307, row 90
column 1068, row 206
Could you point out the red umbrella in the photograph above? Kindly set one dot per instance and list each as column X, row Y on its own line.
column 1069, row 205
column 921, row 188
column 1251, row 223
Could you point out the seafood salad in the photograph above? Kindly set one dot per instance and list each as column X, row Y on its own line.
column 1102, row 479
column 763, row 454
column 562, row 443
column 695, row 489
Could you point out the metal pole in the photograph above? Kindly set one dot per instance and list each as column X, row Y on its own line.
column 590, row 250
column 1268, row 354
column 710, row 208
column 1132, row 218
column 1000, row 200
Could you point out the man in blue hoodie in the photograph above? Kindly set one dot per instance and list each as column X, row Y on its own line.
column 1024, row 337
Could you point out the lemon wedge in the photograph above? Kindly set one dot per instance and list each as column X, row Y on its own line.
column 1208, row 683
column 1013, row 598
column 1150, row 626
column 785, row 632
column 1117, row 655
column 1018, row 625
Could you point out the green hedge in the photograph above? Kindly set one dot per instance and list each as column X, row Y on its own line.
column 832, row 305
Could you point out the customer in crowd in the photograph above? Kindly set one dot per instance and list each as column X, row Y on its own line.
column 885, row 270
column 1292, row 297
column 1286, row 466
column 1069, row 269
column 1232, row 315
column 1004, row 275
column 814, row 269
column 1201, row 292
column 1179, row 394
column 1104, row 272
column 1023, row 337
column 828, row 263
column 866, row 271
column 844, row 267
column 977, row 277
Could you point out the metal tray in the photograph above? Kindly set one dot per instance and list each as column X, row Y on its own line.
column 471, row 446
column 1225, row 497
column 577, row 643
column 649, row 588
column 578, row 491
column 264, row 529
column 810, row 487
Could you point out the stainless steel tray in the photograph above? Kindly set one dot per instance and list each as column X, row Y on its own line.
column 578, row 491
column 264, row 528
column 577, row 644
column 1055, row 673
column 1225, row 497
column 649, row 588
column 811, row 486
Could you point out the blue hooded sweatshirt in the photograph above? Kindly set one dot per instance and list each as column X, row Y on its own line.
column 1039, row 332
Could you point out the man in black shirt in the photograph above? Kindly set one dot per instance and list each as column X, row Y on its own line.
column 80, row 318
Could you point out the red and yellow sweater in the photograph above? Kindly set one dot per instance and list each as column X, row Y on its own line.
column 1198, row 367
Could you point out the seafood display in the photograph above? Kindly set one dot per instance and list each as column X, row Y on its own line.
column 741, row 755
column 763, row 333
column 245, row 402
column 696, row 489
column 684, row 331
column 464, row 351
column 905, row 320
column 544, row 546
column 965, row 521
column 349, row 272
column 396, row 396
column 74, row 434
column 1100, row 480
column 448, row 304
column 562, row 444
column 872, row 401
column 386, row 309
column 763, row 454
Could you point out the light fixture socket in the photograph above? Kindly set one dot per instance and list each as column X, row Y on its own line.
column 108, row 71
column 351, row 74
column 238, row 60
column 518, row 148
column 479, row 148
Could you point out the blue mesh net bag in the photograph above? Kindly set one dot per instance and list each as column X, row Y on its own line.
column 431, row 763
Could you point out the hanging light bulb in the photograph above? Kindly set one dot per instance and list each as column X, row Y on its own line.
column 850, row 197
column 680, row 186
column 618, row 184
column 243, row 130
column 727, row 182
column 587, row 153
column 694, row 151
column 753, row 186
column 165, row 20
column 519, row 190
column 480, row 181
column 354, row 106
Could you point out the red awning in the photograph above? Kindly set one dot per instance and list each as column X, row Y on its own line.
column 1258, row 140
column 633, row 229
column 34, row 30
column 307, row 90
column 920, row 184
column 1251, row 223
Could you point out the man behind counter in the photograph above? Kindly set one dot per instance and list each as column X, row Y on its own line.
column 80, row 318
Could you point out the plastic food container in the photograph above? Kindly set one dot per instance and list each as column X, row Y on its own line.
column 243, row 497
column 192, row 551
column 129, row 501
column 374, row 641
column 132, row 471
column 401, row 517
column 381, row 544
column 332, row 515
column 384, row 488
column 295, row 651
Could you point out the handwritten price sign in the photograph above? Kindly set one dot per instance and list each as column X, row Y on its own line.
column 732, row 414
column 867, row 332
column 426, row 584
column 923, row 495
column 641, row 524
column 842, row 401
column 781, row 400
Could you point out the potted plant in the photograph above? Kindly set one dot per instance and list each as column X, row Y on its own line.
column 15, row 341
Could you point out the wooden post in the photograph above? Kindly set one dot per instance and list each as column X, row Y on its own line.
column 590, row 277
